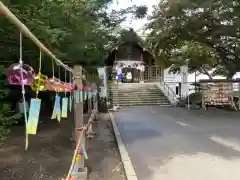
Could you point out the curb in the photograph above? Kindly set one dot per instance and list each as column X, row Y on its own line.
column 126, row 161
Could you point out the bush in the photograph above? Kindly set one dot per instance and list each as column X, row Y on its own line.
column 195, row 99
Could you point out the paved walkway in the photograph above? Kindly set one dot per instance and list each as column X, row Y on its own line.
column 167, row 143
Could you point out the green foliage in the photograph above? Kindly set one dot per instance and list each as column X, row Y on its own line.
column 141, row 12
column 77, row 31
column 200, row 58
column 214, row 24
column 7, row 116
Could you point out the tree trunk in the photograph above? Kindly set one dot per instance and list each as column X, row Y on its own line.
column 203, row 71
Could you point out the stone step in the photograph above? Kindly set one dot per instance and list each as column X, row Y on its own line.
column 143, row 92
column 138, row 95
column 134, row 89
column 137, row 89
column 144, row 104
column 140, row 98
column 134, row 84
column 140, row 102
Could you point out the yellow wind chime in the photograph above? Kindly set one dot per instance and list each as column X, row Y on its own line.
column 40, row 79
column 38, row 85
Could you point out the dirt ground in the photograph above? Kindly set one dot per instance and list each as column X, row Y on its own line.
column 104, row 156
column 50, row 152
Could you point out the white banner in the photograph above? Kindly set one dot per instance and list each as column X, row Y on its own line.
column 103, row 77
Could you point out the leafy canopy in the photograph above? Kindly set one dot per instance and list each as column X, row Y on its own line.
column 76, row 31
column 214, row 24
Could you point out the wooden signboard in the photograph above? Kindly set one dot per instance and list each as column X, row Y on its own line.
column 217, row 93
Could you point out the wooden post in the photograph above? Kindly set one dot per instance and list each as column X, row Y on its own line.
column 78, row 112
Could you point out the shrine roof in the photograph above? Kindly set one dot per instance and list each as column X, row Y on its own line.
column 109, row 61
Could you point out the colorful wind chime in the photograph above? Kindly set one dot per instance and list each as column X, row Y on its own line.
column 40, row 79
column 24, row 75
column 57, row 87
column 35, row 104
column 50, row 83
column 67, row 88
column 21, row 74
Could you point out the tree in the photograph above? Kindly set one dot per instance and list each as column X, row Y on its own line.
column 77, row 31
column 214, row 23
column 199, row 58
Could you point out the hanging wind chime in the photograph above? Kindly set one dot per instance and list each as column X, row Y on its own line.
column 15, row 71
column 40, row 79
column 57, row 87
column 21, row 74
column 35, row 104
column 65, row 99
column 50, row 83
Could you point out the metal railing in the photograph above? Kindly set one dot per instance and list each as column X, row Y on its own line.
column 168, row 91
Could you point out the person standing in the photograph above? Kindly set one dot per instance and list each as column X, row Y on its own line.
column 129, row 76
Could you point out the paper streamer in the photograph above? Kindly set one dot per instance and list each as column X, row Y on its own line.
column 70, row 103
column 33, row 116
column 75, row 167
column 77, row 97
column 26, row 142
column 64, row 107
column 85, row 95
column 84, row 152
column 54, row 115
column 89, row 94
column 57, row 109
column 78, row 160
column 81, row 96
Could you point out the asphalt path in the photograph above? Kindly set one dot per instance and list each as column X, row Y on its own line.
column 169, row 143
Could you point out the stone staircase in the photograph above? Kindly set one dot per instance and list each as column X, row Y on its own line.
column 135, row 94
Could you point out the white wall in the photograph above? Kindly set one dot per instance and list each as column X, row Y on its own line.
column 171, row 79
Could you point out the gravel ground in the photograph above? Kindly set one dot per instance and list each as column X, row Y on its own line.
column 104, row 156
